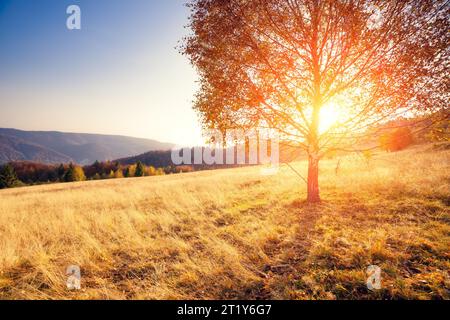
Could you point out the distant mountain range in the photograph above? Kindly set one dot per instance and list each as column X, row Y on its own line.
column 60, row 147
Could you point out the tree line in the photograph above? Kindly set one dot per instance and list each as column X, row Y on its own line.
column 20, row 173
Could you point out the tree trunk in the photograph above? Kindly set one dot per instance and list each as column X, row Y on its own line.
column 313, row 179
column 313, row 152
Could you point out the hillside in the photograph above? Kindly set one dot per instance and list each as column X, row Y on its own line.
column 16, row 149
column 163, row 158
column 236, row 233
column 57, row 147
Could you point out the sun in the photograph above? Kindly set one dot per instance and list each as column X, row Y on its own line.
column 330, row 116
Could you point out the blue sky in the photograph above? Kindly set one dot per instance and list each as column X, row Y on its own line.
column 119, row 74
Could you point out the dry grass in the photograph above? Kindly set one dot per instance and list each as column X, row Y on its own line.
column 235, row 234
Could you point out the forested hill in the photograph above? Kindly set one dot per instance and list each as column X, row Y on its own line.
column 60, row 147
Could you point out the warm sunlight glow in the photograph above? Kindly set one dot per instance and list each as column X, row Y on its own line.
column 330, row 116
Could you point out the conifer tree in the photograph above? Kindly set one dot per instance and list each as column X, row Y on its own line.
column 140, row 169
column 8, row 177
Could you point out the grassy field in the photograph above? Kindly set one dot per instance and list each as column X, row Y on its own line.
column 236, row 233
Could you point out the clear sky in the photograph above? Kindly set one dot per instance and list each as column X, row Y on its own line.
column 119, row 74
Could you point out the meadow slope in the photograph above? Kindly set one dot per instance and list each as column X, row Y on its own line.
column 236, row 233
